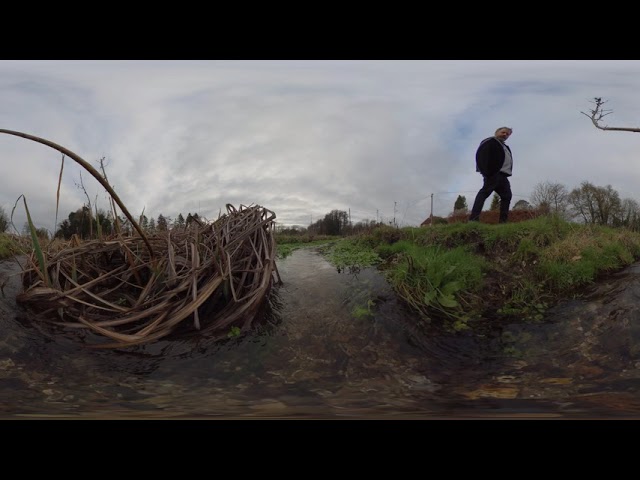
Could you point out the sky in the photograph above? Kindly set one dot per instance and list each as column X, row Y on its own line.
column 385, row 140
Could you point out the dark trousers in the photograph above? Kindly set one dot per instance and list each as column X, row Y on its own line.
column 498, row 183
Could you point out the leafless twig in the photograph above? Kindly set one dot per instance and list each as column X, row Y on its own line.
column 598, row 113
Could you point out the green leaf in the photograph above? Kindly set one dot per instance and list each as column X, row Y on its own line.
column 430, row 296
column 36, row 246
column 448, row 301
column 451, row 288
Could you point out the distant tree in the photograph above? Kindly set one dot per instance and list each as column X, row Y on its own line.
column 495, row 202
column 144, row 222
column 595, row 205
column 104, row 219
column 192, row 218
column 364, row 225
column 461, row 204
column 88, row 211
column 629, row 215
column 290, row 229
column 161, row 224
column 333, row 223
column 522, row 205
column 152, row 225
column 553, row 196
column 80, row 220
column 125, row 226
column 42, row 233
column 179, row 221
column 4, row 221
column 83, row 224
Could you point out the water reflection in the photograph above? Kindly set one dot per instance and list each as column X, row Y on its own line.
column 337, row 345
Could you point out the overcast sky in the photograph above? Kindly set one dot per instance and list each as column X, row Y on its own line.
column 302, row 138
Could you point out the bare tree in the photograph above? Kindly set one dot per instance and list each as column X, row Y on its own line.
column 598, row 113
column 629, row 214
column 554, row 196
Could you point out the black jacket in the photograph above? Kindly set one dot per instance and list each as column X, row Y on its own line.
column 490, row 156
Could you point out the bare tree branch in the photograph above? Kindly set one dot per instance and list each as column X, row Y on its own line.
column 598, row 113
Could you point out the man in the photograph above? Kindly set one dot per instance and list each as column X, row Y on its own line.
column 495, row 163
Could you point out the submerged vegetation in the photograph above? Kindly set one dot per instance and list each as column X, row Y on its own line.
column 463, row 275
column 288, row 243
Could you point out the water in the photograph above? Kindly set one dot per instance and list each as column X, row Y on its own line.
column 338, row 345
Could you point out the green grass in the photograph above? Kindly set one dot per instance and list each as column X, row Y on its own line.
column 348, row 254
column 436, row 281
column 8, row 246
column 283, row 250
column 464, row 271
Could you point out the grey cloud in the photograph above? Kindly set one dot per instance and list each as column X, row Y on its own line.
column 304, row 138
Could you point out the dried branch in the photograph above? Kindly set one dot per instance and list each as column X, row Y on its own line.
column 598, row 113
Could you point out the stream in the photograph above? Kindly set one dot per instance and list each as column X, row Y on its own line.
column 337, row 345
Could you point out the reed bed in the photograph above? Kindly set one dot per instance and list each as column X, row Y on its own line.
column 206, row 277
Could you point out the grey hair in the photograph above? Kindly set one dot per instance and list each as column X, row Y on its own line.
column 504, row 128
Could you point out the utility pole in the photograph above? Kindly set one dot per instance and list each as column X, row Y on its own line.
column 394, row 213
column 431, row 217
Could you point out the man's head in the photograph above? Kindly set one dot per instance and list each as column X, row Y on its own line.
column 503, row 133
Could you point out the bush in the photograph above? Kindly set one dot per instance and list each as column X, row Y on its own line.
column 4, row 221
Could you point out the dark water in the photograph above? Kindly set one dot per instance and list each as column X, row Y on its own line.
column 338, row 345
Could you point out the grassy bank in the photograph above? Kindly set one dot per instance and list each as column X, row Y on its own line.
column 288, row 243
column 8, row 246
column 463, row 275
column 467, row 274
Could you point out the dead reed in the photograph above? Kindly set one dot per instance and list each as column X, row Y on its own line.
column 206, row 277
column 117, row 290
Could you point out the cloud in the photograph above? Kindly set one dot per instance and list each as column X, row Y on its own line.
column 302, row 138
